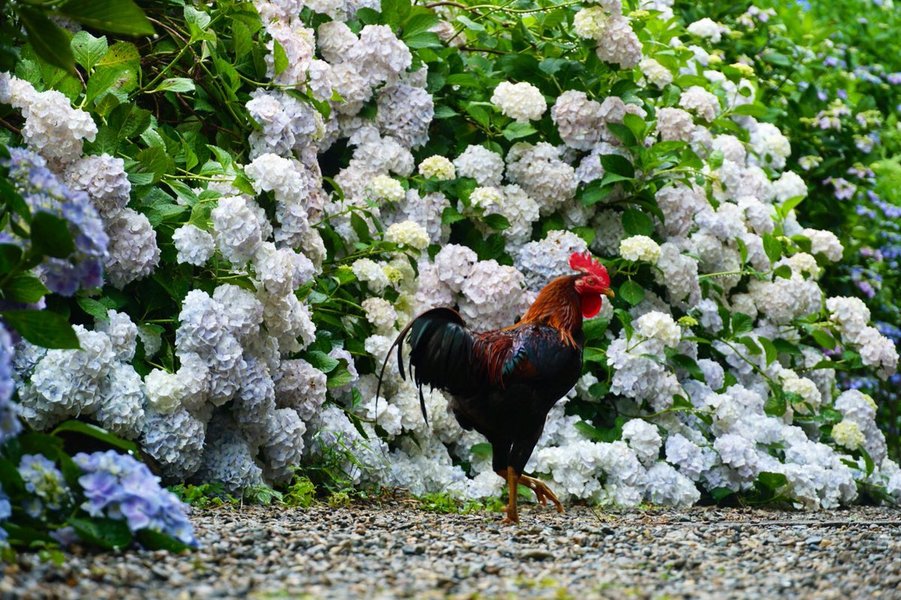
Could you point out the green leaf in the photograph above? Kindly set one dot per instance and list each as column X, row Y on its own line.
column 595, row 192
column 176, row 84
column 631, row 292
column 25, row 288
column 596, row 434
column 280, row 57
column 423, row 39
column 96, row 309
column 772, row 247
column 97, row 433
column 594, row 328
column 497, row 222
column 115, row 16
column 823, row 338
column 420, row 20
column 750, row 110
column 775, row 405
column 451, row 215
column 769, row 350
column 88, row 50
column 721, row 493
column 741, row 323
column 772, row 481
column 10, row 255
column 517, row 130
column 154, row 540
column 50, row 42
column 43, row 328
column 338, row 378
column 614, row 163
column 623, row 133
column 687, row 363
column 782, row 271
column 109, row 534
column 50, row 236
column 321, row 360
column 360, row 227
column 636, row 222
column 470, row 24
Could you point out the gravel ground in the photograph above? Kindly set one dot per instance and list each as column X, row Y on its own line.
column 398, row 550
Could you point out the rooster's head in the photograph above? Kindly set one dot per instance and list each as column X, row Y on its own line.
column 592, row 283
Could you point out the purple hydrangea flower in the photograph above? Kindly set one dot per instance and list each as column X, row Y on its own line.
column 43, row 479
column 9, row 421
column 6, row 510
column 119, row 487
column 43, row 192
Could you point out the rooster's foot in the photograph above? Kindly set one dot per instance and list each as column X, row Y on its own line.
column 542, row 492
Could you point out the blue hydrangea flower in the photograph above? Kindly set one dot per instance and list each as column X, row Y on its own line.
column 119, row 487
column 43, row 192
column 44, row 480
column 6, row 510
column 9, row 421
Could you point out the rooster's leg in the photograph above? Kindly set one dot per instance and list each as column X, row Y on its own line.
column 512, row 482
column 542, row 491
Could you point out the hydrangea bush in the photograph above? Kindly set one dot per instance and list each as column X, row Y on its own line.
column 831, row 79
column 403, row 157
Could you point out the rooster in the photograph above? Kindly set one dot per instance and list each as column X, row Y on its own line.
column 504, row 382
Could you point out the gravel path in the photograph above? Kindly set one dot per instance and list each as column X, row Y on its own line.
column 397, row 550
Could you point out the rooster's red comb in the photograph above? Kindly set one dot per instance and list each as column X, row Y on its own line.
column 586, row 263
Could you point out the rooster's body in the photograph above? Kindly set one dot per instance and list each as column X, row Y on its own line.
column 504, row 382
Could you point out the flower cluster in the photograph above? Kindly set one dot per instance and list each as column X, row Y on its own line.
column 119, row 487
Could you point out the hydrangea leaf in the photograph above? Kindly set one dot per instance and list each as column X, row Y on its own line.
column 106, row 533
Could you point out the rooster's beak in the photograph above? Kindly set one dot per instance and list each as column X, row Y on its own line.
column 609, row 293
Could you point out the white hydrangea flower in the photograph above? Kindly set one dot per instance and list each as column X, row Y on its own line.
column 164, row 391
column 243, row 311
column 522, row 101
column 541, row 174
column 655, row 73
column 334, row 40
column 133, row 252
column 848, row 435
column 481, row 164
column 825, row 243
column 370, row 272
column 701, row 102
column 122, row 333
column 237, row 230
column 644, row 439
column 453, row 264
column 228, row 459
column 492, row 295
column 284, row 445
column 674, row 124
column 659, row 326
column 850, row 314
column 194, row 245
column 691, row 459
column 408, row 233
column 104, row 178
column 297, row 42
column 541, row 261
column 669, row 487
column 707, row 28
column 618, row 44
column 285, row 124
column 383, row 187
column 175, row 441
column 578, row 119
column 789, row 185
column 52, row 128
column 405, row 113
column 380, row 313
column 640, row 248
column 437, row 167
column 121, row 402
column 770, row 146
column 379, row 55
column 589, row 23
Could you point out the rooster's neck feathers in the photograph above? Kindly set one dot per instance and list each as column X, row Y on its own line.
column 558, row 306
